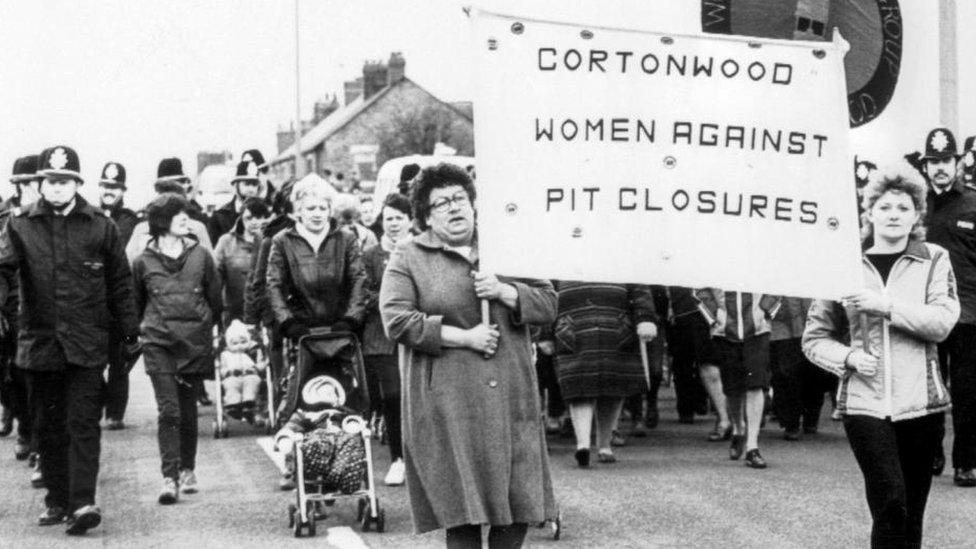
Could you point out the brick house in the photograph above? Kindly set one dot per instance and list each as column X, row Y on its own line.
column 386, row 115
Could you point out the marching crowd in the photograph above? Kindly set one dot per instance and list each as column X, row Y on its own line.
column 86, row 291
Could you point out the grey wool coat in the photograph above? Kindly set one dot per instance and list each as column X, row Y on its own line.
column 473, row 442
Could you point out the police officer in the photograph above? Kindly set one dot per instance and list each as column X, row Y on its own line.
column 951, row 223
column 112, row 185
column 264, row 173
column 246, row 185
column 76, row 285
column 13, row 382
column 171, row 169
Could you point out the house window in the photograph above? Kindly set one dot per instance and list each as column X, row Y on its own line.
column 364, row 161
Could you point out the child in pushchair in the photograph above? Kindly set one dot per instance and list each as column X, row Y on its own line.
column 326, row 439
column 242, row 367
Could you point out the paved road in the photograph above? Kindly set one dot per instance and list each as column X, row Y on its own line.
column 671, row 489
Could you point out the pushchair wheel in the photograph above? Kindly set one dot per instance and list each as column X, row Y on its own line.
column 292, row 510
column 361, row 509
column 557, row 527
column 364, row 522
column 296, row 524
column 381, row 521
column 216, row 430
column 311, row 510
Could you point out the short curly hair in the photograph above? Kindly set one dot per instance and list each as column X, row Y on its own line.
column 897, row 179
column 161, row 211
column 437, row 177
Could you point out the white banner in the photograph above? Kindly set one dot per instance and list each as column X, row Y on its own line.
column 692, row 160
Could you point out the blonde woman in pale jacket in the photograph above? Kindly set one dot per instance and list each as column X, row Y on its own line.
column 891, row 394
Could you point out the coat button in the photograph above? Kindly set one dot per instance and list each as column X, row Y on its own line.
column 493, row 384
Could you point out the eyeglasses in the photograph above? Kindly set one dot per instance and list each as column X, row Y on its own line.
column 444, row 204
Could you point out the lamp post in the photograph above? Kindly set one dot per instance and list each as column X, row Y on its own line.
column 299, row 168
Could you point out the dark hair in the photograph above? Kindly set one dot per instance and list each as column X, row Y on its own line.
column 170, row 186
column 409, row 172
column 257, row 207
column 398, row 202
column 161, row 211
column 437, row 177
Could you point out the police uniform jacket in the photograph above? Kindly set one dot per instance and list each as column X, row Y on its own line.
column 951, row 223
column 126, row 220
column 222, row 220
column 75, row 284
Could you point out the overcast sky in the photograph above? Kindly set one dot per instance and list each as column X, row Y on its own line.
column 136, row 80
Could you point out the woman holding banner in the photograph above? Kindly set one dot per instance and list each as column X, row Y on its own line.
column 598, row 363
column 891, row 396
column 472, row 441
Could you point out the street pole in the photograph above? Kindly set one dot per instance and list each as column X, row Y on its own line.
column 948, row 67
column 299, row 165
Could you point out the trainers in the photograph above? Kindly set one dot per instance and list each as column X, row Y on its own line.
column 170, row 492
column 755, row 460
column 52, row 516
column 394, row 477
column 188, row 482
column 83, row 520
column 617, row 439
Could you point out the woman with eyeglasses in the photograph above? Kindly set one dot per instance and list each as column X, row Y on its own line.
column 473, row 443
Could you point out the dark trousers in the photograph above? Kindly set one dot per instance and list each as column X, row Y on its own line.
column 545, row 367
column 176, row 401
column 14, row 397
column 689, row 393
column 68, row 406
column 394, row 432
column 117, row 383
column 499, row 537
column 896, row 461
column 798, row 385
column 957, row 361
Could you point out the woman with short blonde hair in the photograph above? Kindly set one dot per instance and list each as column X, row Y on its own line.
column 882, row 343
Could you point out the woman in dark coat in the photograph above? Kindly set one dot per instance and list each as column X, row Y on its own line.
column 178, row 294
column 472, row 440
column 379, row 352
column 598, row 359
column 315, row 269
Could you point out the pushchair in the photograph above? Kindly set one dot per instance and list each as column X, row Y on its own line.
column 259, row 355
column 337, row 355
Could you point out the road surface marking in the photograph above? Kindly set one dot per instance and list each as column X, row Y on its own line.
column 267, row 444
column 345, row 537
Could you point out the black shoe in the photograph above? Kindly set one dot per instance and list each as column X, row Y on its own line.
column 115, row 425
column 792, row 434
column 938, row 465
column 6, row 423
column 965, row 478
column 21, row 449
column 83, row 520
column 737, row 446
column 652, row 420
column 582, row 457
column 52, row 516
column 754, row 459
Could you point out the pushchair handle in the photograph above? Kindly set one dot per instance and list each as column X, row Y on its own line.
column 319, row 330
